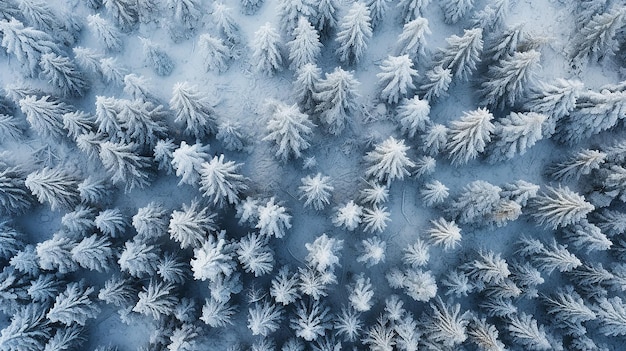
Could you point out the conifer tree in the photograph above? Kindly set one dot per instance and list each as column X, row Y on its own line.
column 190, row 226
column 138, row 88
column 157, row 58
column 611, row 313
column 348, row 216
column 78, row 123
column 93, row 253
column 273, row 219
column 112, row 71
column 412, row 9
column 558, row 207
column 215, row 53
column 555, row 100
column 596, row 39
column 193, row 110
column 94, row 190
column 578, row 164
column 142, row 121
column 396, row 78
column 507, row 81
column 232, row 136
column 63, row 74
column 26, row 44
column 305, row 86
column 454, row 10
column 290, row 129
column 224, row 21
column 290, row 12
column 125, row 165
column 217, row 313
column 355, row 33
column 87, row 59
column 437, row 83
column 214, row 259
column 220, row 181
column 524, row 330
column 73, row 305
column 150, row 221
column 555, row 257
column 28, row 330
column 312, row 320
column 326, row 16
column 266, row 56
column 139, row 259
column 250, row 7
column 568, row 308
column 39, row 15
column 412, row 40
column 15, row 196
column 111, row 222
column 187, row 160
column 284, row 287
column 108, row 35
column 462, row 53
column 434, row 193
column 54, row 186
column 148, row 10
column 446, row 324
column 305, row 47
column 124, row 12
column 264, row 318
column 492, row 16
column 388, row 160
column 444, row 233
column 413, row 116
column 469, row 135
column 10, row 128
column 477, row 203
column 45, row 115
column 336, row 96
column 156, row 300
column 185, row 17
column 316, row 191
column 255, row 255
column 378, row 9
column 514, row 134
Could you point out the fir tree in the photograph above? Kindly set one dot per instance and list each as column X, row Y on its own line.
column 348, row 324
column 56, row 254
column 148, row 10
column 94, row 190
column 112, row 71
column 214, row 52
column 477, row 204
column 555, row 257
column 142, row 121
column 193, row 110
column 73, row 305
column 224, row 21
column 107, row 110
column 54, row 186
column 78, row 123
column 323, row 253
column 373, row 251
column 507, row 81
column 139, row 259
column 111, row 222
column 413, row 116
column 15, row 196
column 138, row 88
column 290, row 13
column 273, row 219
column 568, row 308
column 185, row 17
column 10, row 128
column 284, row 287
column 11, row 241
column 484, row 335
column 355, row 33
column 375, row 194
column 266, row 56
column 378, row 9
column 558, row 207
column 93, row 253
column 412, row 9
column 88, row 60
column 305, row 47
column 187, row 160
column 191, row 226
column 264, row 318
column 489, row 268
column 164, row 154
column 444, row 233
column 290, row 129
column 326, row 17
column 214, row 259
column 26, row 44
column 156, row 300
column 412, row 40
column 348, row 216
column 217, row 313
column 232, row 136
column 514, row 134
column 437, row 83
column 555, row 100
column 446, row 324
column 305, row 85
column 434, row 193
column 173, row 270
column 107, row 34
column 454, row 10
column 469, row 135
column 611, row 313
column 45, row 115
column 462, row 53
column 124, row 165
column 28, row 330
column 220, row 181
column 586, row 236
column 124, row 12
column 255, row 255
column 251, row 7
column 596, row 39
column 316, row 191
column 578, row 164
column 504, row 44
column 380, row 336
column 396, row 78
column 117, row 291
column 311, row 321
column 524, row 330
column 493, row 15
column 63, row 74
column 388, row 160
column 157, row 58
column 336, row 96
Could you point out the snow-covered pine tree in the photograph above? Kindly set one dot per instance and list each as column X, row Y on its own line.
column 112, row 71
column 27, row 44
column 139, row 259
column 214, row 259
column 107, row 109
column 354, row 34
column 172, row 269
column 15, row 196
column 273, row 219
column 361, row 293
column 55, row 254
column 250, row 7
column 555, row 257
column 191, row 226
column 372, row 251
column 458, row 284
column 63, row 74
column 336, row 97
column 416, row 255
column 73, row 306
column 94, row 253
column 434, row 193
column 305, row 86
column 446, row 325
column 378, row 9
column 437, row 83
column 185, row 18
column 55, row 186
column 347, row 324
column 388, row 160
column 28, row 330
column 111, row 222
column 412, row 40
column 559, row 207
column 555, row 100
column 326, row 17
column 289, row 128
column 266, row 56
column 193, row 109
column 396, row 78
column 578, row 164
column 156, row 300
column 489, row 268
column 217, row 313
column 469, row 135
column 493, row 15
column 380, row 336
column 45, row 288
column 225, row 23
column 45, row 115
column 462, row 54
column 524, row 330
column 514, row 134
column 375, row 219
column 507, row 81
column 314, row 283
column 305, row 47
column 124, row 12
column 264, row 318
column 94, row 190
column 595, row 112
column 157, row 58
column 138, row 87
column 148, row 10
column 586, row 236
column 316, row 191
column 106, row 33
column 215, row 54
column 567, row 308
column 255, row 255
column 117, row 291
column 187, row 161
column 232, row 135
column 611, row 313
column 284, row 287
column 506, row 43
column 220, row 182
column 484, row 335
column 454, row 10
column 125, row 165
column 77, row 123
column 413, row 116
column 444, row 233
column 375, row 193
column 596, row 39
column 79, row 221
column 10, row 240
column 477, row 203
column 10, row 127
column 323, row 253
column 312, row 320
column 142, row 122
column 412, row 9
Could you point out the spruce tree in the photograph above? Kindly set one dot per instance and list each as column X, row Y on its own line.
column 412, row 9
column 454, row 10
column 437, row 83
column 220, row 182
column 336, row 96
column 124, row 12
column 290, row 129
column 396, row 78
column 54, row 186
column 596, row 39
column 215, row 53
column 305, row 47
column 193, row 110
column 305, row 85
column 469, row 135
column 15, row 197
column 290, row 12
column 266, row 56
column 125, row 165
column 355, row 33
column 514, row 134
column 462, row 53
column 26, row 44
column 106, row 33
column 412, row 40
column 157, row 58
column 63, row 74
column 555, row 100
